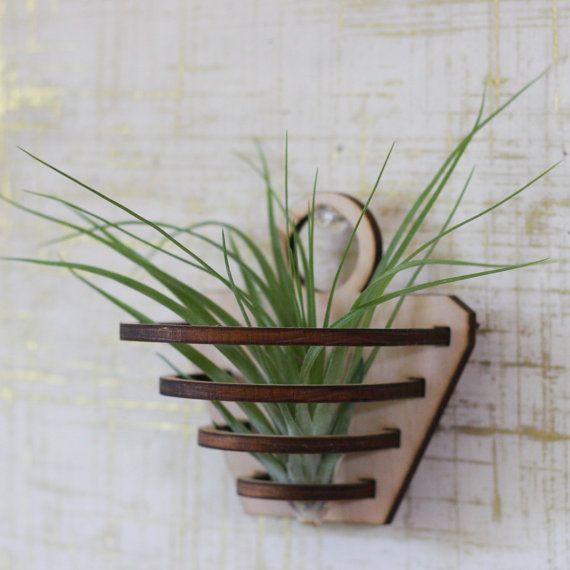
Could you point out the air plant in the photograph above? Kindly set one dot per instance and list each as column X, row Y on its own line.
column 275, row 289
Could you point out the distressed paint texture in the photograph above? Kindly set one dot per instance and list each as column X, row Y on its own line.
column 151, row 101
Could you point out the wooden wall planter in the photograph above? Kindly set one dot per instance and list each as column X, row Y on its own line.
column 399, row 404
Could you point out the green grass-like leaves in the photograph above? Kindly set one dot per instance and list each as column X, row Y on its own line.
column 275, row 289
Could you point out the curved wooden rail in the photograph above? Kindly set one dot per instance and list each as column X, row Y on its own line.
column 262, row 488
column 290, row 336
column 199, row 388
column 368, row 236
column 222, row 438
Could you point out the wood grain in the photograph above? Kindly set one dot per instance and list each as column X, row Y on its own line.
column 262, row 488
column 291, row 393
column 223, row 438
column 290, row 336
column 153, row 103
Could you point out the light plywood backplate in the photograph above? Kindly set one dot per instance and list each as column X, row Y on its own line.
column 416, row 418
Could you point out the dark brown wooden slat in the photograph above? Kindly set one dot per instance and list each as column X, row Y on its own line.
column 222, row 438
column 258, row 488
column 184, row 333
column 200, row 389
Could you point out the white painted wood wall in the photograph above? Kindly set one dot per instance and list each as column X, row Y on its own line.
column 150, row 101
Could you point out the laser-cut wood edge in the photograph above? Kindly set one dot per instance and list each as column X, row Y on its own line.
column 261, row 488
column 290, row 393
column 472, row 332
column 283, row 336
column 222, row 438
